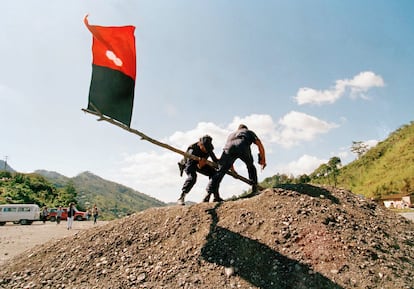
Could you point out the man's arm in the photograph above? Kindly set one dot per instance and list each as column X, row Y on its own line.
column 262, row 159
column 213, row 157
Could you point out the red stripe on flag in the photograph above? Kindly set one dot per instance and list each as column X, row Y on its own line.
column 114, row 47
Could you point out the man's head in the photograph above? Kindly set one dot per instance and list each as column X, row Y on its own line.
column 242, row 126
column 206, row 141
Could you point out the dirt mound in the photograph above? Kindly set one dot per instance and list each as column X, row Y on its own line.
column 299, row 236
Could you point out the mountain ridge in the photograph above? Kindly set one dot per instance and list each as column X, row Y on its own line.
column 114, row 200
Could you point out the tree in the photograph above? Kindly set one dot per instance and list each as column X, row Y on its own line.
column 333, row 168
column 5, row 174
column 320, row 172
column 68, row 194
column 359, row 148
column 303, row 179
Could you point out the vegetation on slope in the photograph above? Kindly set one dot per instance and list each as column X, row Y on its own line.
column 387, row 168
column 115, row 200
column 33, row 189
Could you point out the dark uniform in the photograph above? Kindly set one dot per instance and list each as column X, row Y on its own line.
column 191, row 166
column 237, row 147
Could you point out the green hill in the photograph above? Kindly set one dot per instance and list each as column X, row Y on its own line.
column 113, row 200
column 385, row 169
column 57, row 179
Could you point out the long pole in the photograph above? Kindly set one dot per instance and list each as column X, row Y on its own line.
column 166, row 146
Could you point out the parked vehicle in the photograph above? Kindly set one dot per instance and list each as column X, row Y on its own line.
column 23, row 214
column 79, row 216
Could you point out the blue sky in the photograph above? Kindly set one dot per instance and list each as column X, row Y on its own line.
column 309, row 77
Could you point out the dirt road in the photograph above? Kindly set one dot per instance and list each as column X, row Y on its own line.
column 15, row 239
column 409, row 216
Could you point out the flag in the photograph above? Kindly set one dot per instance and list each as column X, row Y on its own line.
column 113, row 71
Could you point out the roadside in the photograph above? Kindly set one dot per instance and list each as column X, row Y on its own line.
column 409, row 216
column 15, row 239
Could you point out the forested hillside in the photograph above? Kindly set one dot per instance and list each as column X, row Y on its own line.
column 52, row 189
column 387, row 168
column 33, row 189
column 114, row 200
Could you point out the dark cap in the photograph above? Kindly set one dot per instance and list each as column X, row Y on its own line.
column 206, row 141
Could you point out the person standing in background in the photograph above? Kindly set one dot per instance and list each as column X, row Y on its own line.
column 95, row 214
column 59, row 215
column 71, row 215
column 45, row 213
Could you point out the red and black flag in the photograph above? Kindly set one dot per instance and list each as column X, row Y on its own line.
column 113, row 71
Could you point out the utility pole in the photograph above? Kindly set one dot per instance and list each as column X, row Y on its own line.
column 5, row 162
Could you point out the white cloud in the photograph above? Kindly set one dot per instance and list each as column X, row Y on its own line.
column 152, row 172
column 358, row 85
column 309, row 95
column 363, row 82
column 297, row 127
column 292, row 129
column 184, row 139
column 306, row 164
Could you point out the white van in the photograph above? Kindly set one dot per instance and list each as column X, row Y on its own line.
column 23, row 214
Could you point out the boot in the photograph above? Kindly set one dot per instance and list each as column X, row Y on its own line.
column 217, row 198
column 180, row 201
column 207, row 198
column 255, row 190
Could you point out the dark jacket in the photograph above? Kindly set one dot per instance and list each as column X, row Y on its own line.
column 71, row 212
column 195, row 150
column 241, row 138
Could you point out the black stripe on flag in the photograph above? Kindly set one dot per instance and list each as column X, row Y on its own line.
column 112, row 92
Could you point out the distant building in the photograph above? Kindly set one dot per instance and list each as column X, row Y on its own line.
column 398, row 201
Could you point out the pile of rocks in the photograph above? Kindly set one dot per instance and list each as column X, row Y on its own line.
column 297, row 236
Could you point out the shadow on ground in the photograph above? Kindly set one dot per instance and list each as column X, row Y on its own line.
column 257, row 263
column 306, row 189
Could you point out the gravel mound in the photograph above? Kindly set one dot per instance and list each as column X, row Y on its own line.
column 296, row 236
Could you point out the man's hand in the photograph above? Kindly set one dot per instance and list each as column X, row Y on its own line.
column 202, row 162
column 262, row 161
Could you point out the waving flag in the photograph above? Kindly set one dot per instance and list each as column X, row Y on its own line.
column 113, row 71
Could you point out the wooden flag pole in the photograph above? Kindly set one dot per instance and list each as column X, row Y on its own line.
column 166, row 146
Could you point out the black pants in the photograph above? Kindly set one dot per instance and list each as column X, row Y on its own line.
column 227, row 160
column 191, row 172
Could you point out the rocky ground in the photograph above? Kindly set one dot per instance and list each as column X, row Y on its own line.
column 298, row 236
